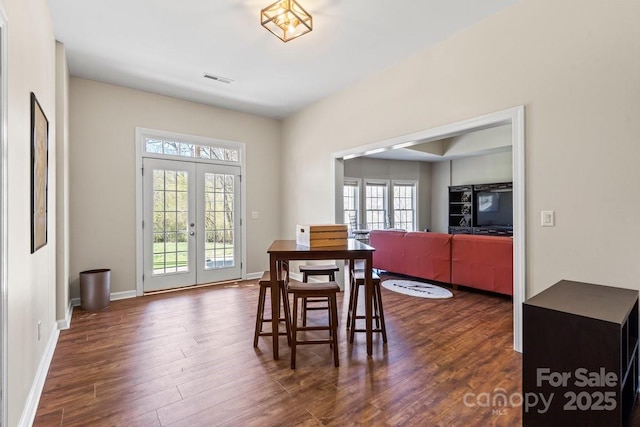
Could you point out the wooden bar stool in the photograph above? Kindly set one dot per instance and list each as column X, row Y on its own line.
column 328, row 292
column 309, row 270
column 357, row 280
column 265, row 285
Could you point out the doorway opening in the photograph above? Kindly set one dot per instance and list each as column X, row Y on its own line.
column 189, row 210
column 513, row 117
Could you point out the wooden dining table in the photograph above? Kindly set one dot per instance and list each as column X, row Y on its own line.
column 282, row 251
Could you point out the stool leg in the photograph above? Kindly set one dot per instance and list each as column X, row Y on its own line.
column 304, row 311
column 355, row 313
column 287, row 311
column 259, row 314
column 376, row 312
column 378, row 296
column 352, row 286
column 333, row 322
column 294, row 331
column 305, row 279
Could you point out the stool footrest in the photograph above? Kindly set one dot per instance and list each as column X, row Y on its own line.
column 313, row 328
column 327, row 341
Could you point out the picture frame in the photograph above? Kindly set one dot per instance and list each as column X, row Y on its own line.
column 39, row 174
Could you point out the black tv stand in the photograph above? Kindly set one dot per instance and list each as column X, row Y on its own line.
column 494, row 230
column 463, row 210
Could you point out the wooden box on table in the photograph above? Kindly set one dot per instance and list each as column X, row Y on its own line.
column 321, row 235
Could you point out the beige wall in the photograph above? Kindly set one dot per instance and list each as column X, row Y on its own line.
column 30, row 277
column 484, row 140
column 574, row 64
column 482, row 169
column 103, row 119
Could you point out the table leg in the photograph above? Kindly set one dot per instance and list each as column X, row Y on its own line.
column 368, row 299
column 275, row 304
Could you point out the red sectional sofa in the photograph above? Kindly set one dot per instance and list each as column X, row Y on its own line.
column 389, row 254
column 427, row 255
column 481, row 262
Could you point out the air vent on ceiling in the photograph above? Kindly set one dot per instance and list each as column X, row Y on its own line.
column 217, row 78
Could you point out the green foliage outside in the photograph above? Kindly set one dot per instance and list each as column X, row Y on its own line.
column 170, row 217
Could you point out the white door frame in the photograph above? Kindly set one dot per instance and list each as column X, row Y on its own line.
column 513, row 116
column 140, row 134
column 4, row 242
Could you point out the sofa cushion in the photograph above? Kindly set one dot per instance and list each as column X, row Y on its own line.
column 483, row 262
column 389, row 251
column 428, row 255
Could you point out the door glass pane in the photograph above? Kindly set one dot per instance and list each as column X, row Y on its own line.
column 170, row 224
column 218, row 217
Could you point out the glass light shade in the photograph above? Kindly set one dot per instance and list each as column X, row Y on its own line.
column 286, row 19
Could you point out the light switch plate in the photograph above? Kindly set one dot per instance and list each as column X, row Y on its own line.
column 255, row 215
column 547, row 218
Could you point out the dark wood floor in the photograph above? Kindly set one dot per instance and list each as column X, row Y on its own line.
column 186, row 359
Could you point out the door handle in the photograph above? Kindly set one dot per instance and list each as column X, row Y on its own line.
column 192, row 233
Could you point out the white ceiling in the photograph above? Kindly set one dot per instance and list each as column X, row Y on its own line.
column 165, row 46
column 478, row 142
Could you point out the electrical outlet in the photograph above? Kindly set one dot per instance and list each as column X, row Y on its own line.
column 255, row 215
column 39, row 330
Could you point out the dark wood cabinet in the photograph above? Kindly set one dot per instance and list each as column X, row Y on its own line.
column 580, row 355
column 466, row 215
column 461, row 209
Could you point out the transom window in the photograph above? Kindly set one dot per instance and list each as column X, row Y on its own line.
column 168, row 147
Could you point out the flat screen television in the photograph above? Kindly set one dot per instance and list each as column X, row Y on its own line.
column 494, row 208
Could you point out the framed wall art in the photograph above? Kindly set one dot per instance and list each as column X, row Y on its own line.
column 39, row 174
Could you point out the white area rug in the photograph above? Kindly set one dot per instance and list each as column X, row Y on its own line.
column 417, row 289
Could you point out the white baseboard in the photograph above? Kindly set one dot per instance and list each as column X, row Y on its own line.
column 122, row 295
column 66, row 322
column 31, row 405
column 252, row 276
column 114, row 296
column 295, row 276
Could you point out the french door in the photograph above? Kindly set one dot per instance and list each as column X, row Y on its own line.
column 191, row 223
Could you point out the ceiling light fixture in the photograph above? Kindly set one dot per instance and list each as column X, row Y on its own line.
column 286, row 19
